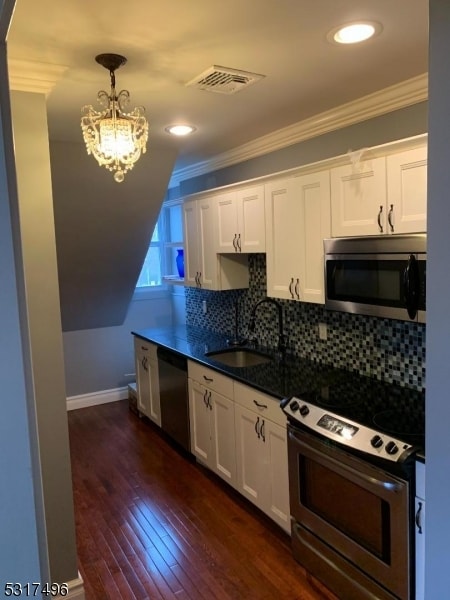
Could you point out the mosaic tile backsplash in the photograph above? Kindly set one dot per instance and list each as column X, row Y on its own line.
column 388, row 350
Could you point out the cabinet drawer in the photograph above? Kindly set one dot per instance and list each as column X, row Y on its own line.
column 211, row 379
column 145, row 348
column 258, row 402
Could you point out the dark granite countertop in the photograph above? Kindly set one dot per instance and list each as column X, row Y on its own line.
column 279, row 378
column 292, row 376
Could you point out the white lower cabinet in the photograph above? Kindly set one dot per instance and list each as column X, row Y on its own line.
column 419, row 512
column 240, row 434
column 261, row 452
column 147, row 379
column 212, row 421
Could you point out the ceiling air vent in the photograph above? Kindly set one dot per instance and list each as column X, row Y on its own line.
column 223, row 80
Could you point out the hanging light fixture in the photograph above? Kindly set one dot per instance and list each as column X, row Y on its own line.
column 114, row 137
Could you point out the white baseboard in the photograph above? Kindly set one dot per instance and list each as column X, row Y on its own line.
column 75, row 590
column 102, row 397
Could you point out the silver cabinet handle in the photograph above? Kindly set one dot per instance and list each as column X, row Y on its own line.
column 235, row 242
column 238, row 243
column 261, row 429
column 209, row 401
column 390, row 215
column 209, row 379
column 419, row 519
column 379, row 219
column 297, row 288
column 199, row 276
column 204, row 398
column 291, row 287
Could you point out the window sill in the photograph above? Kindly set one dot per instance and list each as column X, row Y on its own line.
column 151, row 293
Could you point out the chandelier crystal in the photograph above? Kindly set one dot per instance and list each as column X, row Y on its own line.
column 116, row 138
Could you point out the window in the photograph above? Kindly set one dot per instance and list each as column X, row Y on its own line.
column 151, row 273
column 166, row 240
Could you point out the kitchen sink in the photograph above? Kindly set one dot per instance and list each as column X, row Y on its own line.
column 239, row 357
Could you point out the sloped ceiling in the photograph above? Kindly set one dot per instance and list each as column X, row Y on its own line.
column 103, row 230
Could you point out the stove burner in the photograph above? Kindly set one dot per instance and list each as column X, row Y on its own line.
column 400, row 423
column 326, row 396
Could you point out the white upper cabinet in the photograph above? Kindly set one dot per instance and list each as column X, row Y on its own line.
column 297, row 221
column 203, row 267
column 380, row 195
column 358, row 198
column 407, row 190
column 240, row 220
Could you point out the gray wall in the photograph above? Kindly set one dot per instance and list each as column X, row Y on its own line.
column 102, row 358
column 437, row 553
column 40, row 299
column 19, row 550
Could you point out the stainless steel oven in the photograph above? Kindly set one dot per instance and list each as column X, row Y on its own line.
column 350, row 521
column 351, row 483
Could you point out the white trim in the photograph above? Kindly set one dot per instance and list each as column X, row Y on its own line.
column 102, row 397
column 395, row 97
column 76, row 590
column 32, row 76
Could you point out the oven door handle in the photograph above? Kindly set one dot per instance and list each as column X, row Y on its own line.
column 369, row 479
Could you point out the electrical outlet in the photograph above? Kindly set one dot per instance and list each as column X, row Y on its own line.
column 323, row 333
column 204, row 307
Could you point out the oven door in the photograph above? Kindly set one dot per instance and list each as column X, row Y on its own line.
column 358, row 511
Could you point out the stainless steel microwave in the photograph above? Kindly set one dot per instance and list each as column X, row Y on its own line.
column 382, row 276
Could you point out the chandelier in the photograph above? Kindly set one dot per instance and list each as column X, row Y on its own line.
column 114, row 137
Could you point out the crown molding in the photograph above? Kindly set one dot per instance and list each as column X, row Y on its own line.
column 395, row 97
column 29, row 76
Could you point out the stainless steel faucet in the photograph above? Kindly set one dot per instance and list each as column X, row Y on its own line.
column 281, row 337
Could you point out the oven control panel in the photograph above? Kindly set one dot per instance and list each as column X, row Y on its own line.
column 344, row 431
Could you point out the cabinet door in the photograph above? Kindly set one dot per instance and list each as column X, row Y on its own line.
column 191, row 243
column 312, row 193
column 282, row 245
column 223, row 437
column 147, row 379
column 227, row 223
column 251, row 476
column 407, row 190
column 358, row 198
column 275, row 441
column 251, row 219
column 154, row 404
column 199, row 422
column 207, row 236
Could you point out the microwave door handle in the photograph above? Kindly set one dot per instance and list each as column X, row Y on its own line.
column 411, row 286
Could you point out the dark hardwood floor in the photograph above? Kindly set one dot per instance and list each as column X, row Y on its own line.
column 153, row 524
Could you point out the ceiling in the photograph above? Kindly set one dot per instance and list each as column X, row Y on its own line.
column 169, row 42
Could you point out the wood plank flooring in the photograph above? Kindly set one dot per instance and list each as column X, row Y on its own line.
column 152, row 524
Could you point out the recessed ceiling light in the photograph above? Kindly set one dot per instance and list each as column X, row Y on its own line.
column 180, row 129
column 353, row 33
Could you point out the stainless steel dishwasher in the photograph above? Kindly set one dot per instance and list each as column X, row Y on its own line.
column 174, row 398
